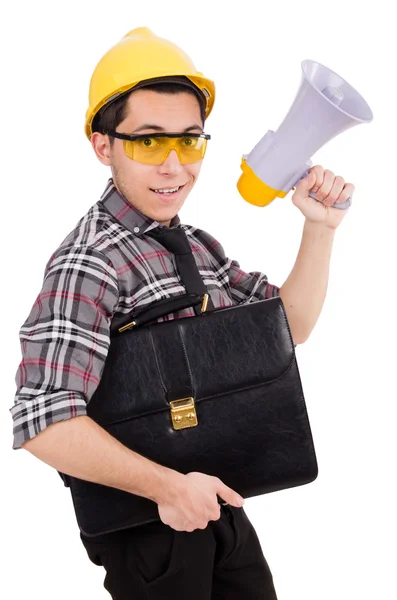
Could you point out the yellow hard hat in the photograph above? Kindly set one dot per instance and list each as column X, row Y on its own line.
column 138, row 56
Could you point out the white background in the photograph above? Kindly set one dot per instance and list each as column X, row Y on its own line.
column 334, row 538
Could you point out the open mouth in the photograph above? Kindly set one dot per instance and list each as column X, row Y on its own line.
column 169, row 193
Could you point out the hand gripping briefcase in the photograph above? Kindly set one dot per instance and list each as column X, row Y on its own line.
column 218, row 392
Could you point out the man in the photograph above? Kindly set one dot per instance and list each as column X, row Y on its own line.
column 143, row 89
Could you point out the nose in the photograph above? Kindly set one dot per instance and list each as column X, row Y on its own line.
column 171, row 165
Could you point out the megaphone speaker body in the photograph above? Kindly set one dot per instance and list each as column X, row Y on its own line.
column 325, row 106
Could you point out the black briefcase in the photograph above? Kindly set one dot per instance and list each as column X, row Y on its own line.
column 218, row 393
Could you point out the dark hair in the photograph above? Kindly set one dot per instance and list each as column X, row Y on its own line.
column 109, row 116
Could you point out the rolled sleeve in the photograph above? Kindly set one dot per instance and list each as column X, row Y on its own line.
column 249, row 287
column 64, row 341
column 243, row 287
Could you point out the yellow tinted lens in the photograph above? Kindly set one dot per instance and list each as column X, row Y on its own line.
column 148, row 150
column 154, row 150
column 191, row 149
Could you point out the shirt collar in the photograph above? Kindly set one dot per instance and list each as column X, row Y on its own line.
column 122, row 210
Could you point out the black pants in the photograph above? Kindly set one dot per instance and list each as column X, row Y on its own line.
column 151, row 562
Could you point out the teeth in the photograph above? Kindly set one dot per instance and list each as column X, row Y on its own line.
column 168, row 190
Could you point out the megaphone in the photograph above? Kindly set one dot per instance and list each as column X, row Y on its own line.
column 325, row 106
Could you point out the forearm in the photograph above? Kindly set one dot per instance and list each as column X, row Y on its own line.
column 81, row 448
column 304, row 291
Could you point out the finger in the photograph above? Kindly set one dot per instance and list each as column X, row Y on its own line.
column 318, row 172
column 229, row 495
column 336, row 190
column 326, row 187
column 346, row 193
column 305, row 185
column 179, row 525
column 215, row 515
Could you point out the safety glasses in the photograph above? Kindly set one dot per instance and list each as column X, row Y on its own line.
column 153, row 149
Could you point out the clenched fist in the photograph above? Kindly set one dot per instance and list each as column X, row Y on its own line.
column 329, row 190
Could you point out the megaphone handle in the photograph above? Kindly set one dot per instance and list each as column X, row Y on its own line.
column 343, row 205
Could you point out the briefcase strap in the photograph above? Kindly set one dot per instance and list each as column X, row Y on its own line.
column 157, row 309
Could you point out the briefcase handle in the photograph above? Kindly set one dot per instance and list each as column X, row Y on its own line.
column 155, row 310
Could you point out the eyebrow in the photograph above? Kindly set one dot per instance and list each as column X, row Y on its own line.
column 158, row 128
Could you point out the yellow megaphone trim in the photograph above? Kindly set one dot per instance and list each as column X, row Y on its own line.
column 254, row 190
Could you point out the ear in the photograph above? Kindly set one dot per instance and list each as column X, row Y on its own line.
column 101, row 146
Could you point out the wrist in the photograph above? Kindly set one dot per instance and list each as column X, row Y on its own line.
column 318, row 228
column 169, row 484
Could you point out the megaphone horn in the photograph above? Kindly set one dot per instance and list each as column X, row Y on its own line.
column 325, row 106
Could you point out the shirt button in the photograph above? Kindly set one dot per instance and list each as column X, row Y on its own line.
column 136, row 229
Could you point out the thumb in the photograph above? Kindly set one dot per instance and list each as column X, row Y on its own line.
column 229, row 495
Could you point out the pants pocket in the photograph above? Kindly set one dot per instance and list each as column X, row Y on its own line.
column 151, row 550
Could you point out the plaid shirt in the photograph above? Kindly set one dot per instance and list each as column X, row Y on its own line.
column 107, row 264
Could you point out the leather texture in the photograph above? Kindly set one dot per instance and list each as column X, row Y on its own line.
column 253, row 430
column 155, row 310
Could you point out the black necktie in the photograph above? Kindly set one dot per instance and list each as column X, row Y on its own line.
column 176, row 241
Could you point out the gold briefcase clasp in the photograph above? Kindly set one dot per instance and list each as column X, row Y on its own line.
column 183, row 413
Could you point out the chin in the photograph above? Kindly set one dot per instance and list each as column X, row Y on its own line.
column 162, row 217
column 167, row 218
column 166, row 213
